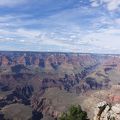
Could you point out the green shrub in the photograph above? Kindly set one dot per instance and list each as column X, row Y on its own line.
column 74, row 113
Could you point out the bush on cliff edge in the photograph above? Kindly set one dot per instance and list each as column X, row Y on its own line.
column 74, row 113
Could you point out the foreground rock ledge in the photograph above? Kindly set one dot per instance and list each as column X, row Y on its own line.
column 106, row 111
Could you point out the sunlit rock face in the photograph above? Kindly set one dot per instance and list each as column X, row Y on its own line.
column 107, row 111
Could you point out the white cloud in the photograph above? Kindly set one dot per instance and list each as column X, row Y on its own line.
column 94, row 3
column 64, row 35
column 102, row 41
column 71, row 39
column 10, row 3
column 105, row 41
column 110, row 4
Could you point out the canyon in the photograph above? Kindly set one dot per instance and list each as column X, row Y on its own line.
column 42, row 85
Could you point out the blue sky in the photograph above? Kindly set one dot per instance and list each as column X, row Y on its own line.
column 91, row 26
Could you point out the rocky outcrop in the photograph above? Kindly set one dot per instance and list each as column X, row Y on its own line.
column 106, row 111
column 44, row 106
column 23, row 93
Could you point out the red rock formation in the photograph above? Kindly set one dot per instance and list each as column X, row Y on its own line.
column 37, row 61
column 5, row 61
column 21, row 60
column 114, row 98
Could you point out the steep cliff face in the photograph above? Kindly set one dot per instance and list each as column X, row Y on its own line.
column 45, row 70
column 44, row 106
column 40, row 59
column 106, row 111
